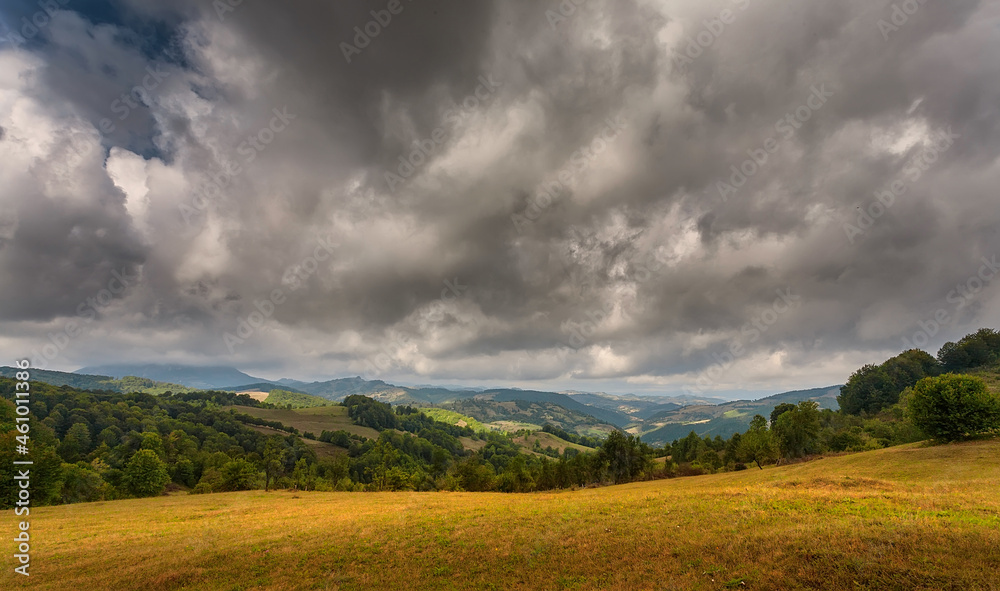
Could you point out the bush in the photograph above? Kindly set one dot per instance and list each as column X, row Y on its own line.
column 145, row 474
column 81, row 483
column 952, row 407
column 240, row 475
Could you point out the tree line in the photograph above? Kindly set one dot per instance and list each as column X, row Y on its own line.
column 908, row 398
column 100, row 445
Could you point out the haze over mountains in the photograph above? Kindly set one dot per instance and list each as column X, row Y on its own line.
column 186, row 375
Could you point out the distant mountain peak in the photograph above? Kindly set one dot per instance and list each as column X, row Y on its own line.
column 192, row 376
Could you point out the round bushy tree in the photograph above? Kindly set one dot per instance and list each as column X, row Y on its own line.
column 145, row 474
column 952, row 407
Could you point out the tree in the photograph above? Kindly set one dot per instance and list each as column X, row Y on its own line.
column 952, row 407
column 274, row 450
column 145, row 474
column 625, row 456
column 908, row 368
column 874, row 387
column 474, row 475
column 305, row 475
column 974, row 350
column 687, row 449
column 183, row 472
column 75, row 444
column 239, row 475
column 780, row 410
column 516, row 477
column 153, row 442
column 797, row 430
column 863, row 390
column 81, row 483
column 757, row 444
column 732, row 449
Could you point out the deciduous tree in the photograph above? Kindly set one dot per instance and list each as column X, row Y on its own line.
column 953, row 407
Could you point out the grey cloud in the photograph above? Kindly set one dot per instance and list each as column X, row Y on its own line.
column 652, row 190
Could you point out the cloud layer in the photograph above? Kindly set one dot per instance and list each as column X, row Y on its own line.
column 725, row 196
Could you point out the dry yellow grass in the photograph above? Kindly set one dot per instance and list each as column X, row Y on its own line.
column 902, row 518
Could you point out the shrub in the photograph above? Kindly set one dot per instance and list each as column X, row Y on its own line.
column 240, row 475
column 952, row 407
column 145, row 474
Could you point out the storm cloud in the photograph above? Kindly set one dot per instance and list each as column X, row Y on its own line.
column 734, row 195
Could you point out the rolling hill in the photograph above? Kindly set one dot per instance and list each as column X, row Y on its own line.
column 203, row 378
column 314, row 420
column 638, row 406
column 259, row 387
column 613, row 417
column 280, row 397
column 899, row 519
column 127, row 383
column 515, row 414
column 338, row 389
column 725, row 419
column 658, row 420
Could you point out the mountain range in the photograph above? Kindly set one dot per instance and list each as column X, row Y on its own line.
column 656, row 419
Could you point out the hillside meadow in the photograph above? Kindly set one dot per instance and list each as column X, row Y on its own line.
column 314, row 420
column 903, row 518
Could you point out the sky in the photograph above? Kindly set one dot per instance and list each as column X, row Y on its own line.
column 707, row 197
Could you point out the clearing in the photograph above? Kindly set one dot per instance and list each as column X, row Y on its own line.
column 314, row 420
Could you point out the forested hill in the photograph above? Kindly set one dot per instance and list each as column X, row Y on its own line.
column 89, row 446
column 727, row 418
column 97, row 382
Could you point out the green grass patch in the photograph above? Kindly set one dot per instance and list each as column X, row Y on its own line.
column 284, row 398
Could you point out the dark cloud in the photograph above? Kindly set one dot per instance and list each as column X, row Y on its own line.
column 638, row 270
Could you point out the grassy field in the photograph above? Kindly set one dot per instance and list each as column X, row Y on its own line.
column 322, row 449
column 991, row 375
column 548, row 440
column 314, row 420
column 317, row 419
column 284, row 397
column 905, row 518
column 453, row 418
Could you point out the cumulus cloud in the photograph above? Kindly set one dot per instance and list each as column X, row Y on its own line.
column 612, row 197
